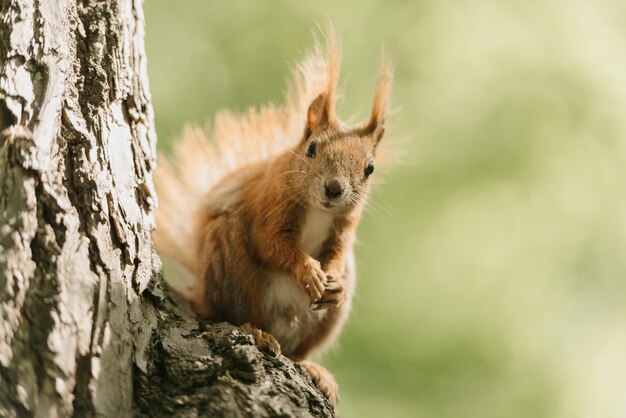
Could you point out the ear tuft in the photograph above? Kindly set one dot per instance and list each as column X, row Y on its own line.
column 333, row 64
column 380, row 106
column 322, row 109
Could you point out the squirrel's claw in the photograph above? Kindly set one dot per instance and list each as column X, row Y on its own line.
column 264, row 340
column 334, row 295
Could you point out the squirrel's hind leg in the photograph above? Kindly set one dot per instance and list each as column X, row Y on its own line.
column 264, row 340
column 323, row 380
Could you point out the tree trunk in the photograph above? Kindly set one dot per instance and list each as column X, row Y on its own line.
column 86, row 328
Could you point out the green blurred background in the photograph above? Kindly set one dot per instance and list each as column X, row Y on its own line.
column 492, row 263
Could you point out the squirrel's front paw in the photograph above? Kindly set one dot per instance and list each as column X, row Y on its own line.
column 312, row 279
column 334, row 294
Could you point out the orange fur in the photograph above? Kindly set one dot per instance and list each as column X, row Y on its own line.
column 264, row 215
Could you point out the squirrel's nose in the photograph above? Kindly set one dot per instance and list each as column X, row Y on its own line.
column 333, row 189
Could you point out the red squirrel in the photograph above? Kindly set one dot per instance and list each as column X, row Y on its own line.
column 264, row 215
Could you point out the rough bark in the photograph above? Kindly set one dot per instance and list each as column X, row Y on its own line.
column 215, row 371
column 85, row 327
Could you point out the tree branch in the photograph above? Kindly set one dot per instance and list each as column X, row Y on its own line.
column 183, row 368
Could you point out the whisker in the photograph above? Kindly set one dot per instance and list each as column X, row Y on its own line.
column 279, row 206
column 293, row 172
column 291, row 151
column 387, row 210
column 369, row 210
column 248, row 203
column 372, row 206
column 374, row 216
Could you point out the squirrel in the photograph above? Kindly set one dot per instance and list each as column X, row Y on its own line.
column 263, row 217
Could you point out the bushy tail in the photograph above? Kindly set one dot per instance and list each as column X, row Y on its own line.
column 200, row 158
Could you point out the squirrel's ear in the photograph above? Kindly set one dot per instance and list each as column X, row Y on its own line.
column 317, row 114
column 376, row 124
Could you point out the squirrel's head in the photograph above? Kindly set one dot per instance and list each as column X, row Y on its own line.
column 338, row 162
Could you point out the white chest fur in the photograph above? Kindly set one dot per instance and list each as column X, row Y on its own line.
column 316, row 228
column 287, row 304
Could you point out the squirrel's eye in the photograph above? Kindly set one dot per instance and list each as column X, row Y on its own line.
column 369, row 169
column 310, row 151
